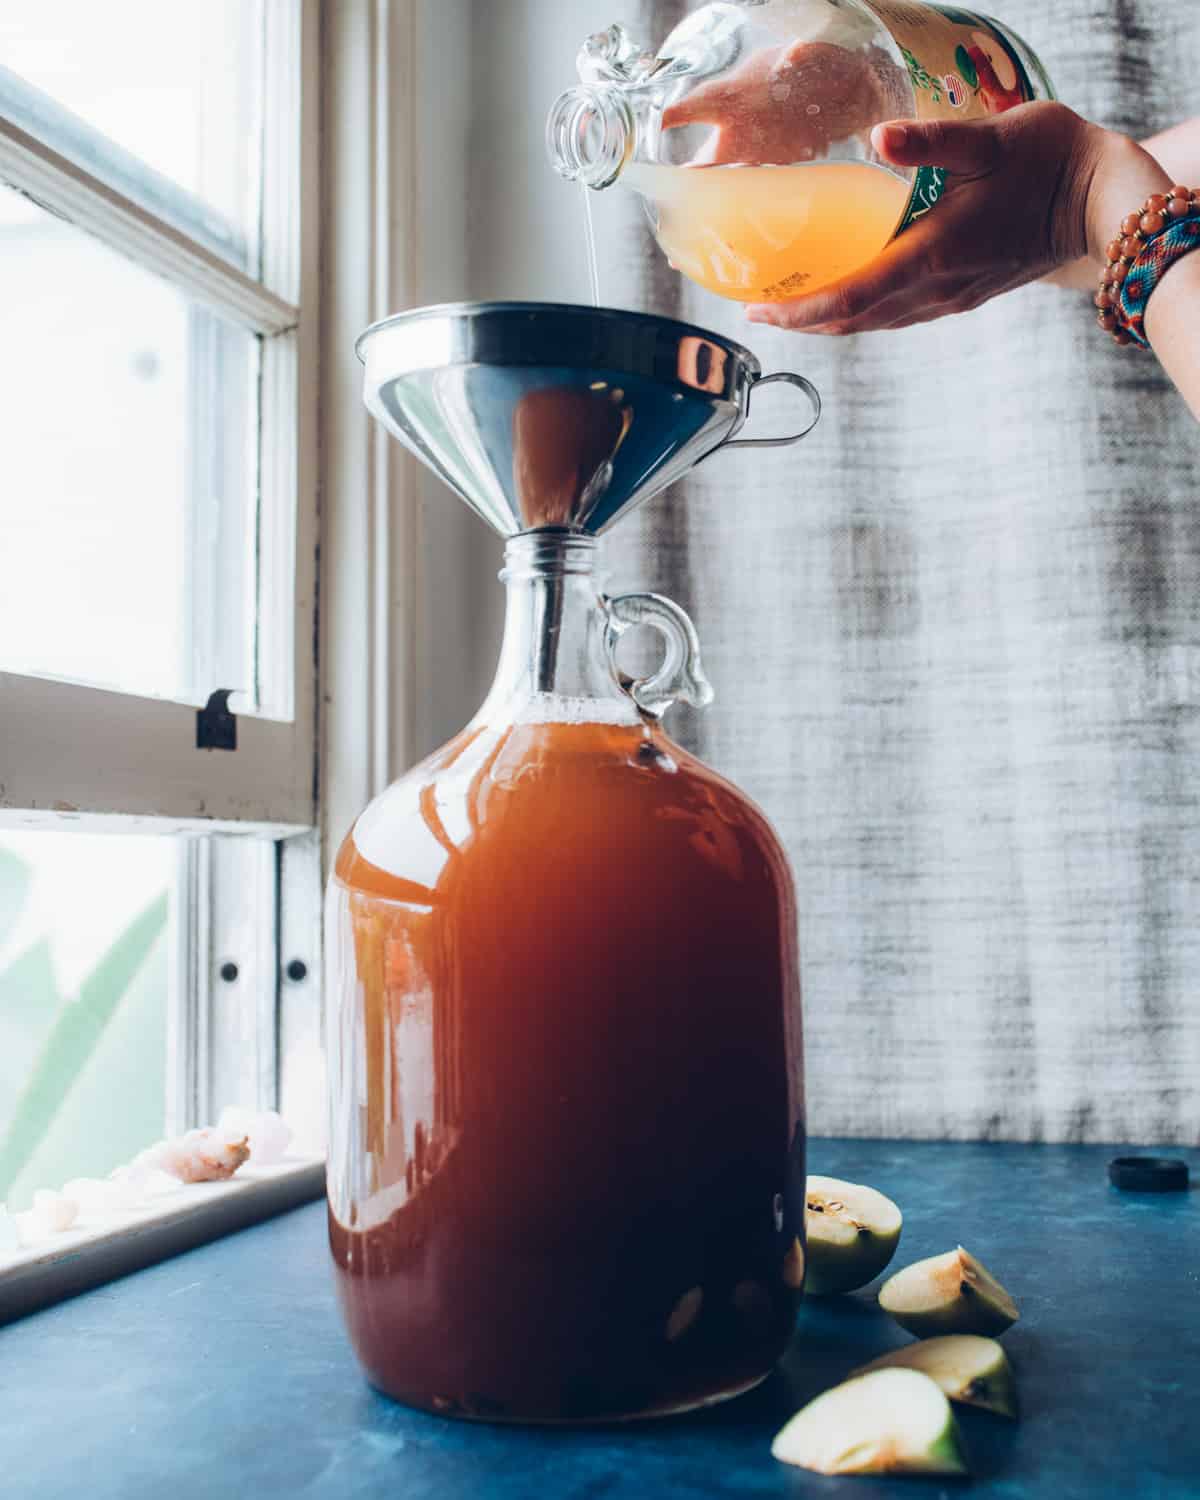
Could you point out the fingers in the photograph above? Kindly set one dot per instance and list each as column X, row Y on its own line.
column 968, row 148
column 904, row 268
column 942, row 244
column 707, row 104
column 903, row 311
column 939, row 296
column 890, row 312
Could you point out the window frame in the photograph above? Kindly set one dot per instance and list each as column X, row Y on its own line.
column 114, row 759
column 371, row 536
column 73, row 755
column 356, row 257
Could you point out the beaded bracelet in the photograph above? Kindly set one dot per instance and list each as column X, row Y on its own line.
column 1150, row 242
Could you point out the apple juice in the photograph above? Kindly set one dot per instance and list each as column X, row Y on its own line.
column 569, row 1180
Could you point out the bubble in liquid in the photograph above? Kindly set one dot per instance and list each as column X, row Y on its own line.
column 551, row 708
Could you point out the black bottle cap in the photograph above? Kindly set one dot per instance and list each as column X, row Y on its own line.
column 1148, row 1174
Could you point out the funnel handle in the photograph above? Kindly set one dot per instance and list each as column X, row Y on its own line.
column 680, row 675
column 809, row 390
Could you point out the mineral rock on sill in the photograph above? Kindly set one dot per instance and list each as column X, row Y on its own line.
column 206, row 1155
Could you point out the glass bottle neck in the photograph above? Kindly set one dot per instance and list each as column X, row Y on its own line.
column 553, row 660
column 591, row 132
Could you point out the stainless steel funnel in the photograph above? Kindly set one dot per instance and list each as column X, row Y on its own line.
column 547, row 414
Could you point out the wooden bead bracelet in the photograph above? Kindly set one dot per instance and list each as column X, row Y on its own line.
column 1166, row 227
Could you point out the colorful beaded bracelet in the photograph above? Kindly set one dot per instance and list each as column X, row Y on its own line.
column 1150, row 242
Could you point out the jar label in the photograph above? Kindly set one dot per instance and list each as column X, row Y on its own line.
column 961, row 66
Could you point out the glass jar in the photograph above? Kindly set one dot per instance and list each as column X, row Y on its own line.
column 748, row 132
column 566, row 1164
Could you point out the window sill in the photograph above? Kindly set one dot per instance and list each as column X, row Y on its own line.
column 191, row 1215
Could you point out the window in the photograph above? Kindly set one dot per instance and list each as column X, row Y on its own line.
column 159, row 865
column 185, row 102
column 145, row 480
column 84, row 973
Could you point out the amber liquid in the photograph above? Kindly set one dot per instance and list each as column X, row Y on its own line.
column 768, row 234
column 570, row 1065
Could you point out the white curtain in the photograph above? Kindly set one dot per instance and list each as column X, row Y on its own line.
column 955, row 635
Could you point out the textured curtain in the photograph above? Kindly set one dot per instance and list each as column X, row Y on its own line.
column 956, row 642
column 955, row 635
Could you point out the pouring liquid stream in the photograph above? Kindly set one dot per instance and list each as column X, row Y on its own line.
column 589, row 235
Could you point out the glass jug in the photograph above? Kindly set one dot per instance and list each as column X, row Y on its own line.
column 786, row 92
column 566, row 1165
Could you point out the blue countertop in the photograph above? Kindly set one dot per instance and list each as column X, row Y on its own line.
column 224, row 1372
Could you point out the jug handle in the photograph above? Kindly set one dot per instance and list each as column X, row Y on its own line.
column 799, row 381
column 680, row 675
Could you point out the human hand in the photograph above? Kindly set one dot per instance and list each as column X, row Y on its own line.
column 786, row 104
column 1029, row 190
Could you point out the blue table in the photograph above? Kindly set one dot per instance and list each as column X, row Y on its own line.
column 225, row 1372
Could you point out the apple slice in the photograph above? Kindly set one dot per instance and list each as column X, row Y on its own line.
column 888, row 1422
column 949, row 1293
column 968, row 1368
column 852, row 1234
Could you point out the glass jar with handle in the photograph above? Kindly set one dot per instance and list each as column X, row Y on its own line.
column 566, row 1162
column 748, row 131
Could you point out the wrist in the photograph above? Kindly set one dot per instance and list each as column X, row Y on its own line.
column 1176, row 294
column 1170, row 319
column 1123, row 175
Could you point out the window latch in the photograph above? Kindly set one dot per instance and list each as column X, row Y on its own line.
column 216, row 726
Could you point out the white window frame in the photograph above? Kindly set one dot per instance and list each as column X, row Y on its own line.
column 370, row 533
column 77, row 756
column 113, row 759
column 358, row 495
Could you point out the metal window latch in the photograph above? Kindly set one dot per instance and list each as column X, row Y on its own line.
column 216, row 727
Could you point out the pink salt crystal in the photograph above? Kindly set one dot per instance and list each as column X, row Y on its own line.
column 201, row 1156
column 267, row 1132
column 141, row 1178
column 122, row 1195
column 102, row 1198
column 53, row 1211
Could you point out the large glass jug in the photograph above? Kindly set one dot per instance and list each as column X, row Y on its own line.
column 748, row 131
column 566, row 1166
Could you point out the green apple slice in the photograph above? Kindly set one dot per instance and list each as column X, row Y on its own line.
column 968, row 1368
column 949, row 1293
column 888, row 1422
column 852, row 1234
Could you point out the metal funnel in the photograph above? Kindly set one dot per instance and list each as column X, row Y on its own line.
column 547, row 414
